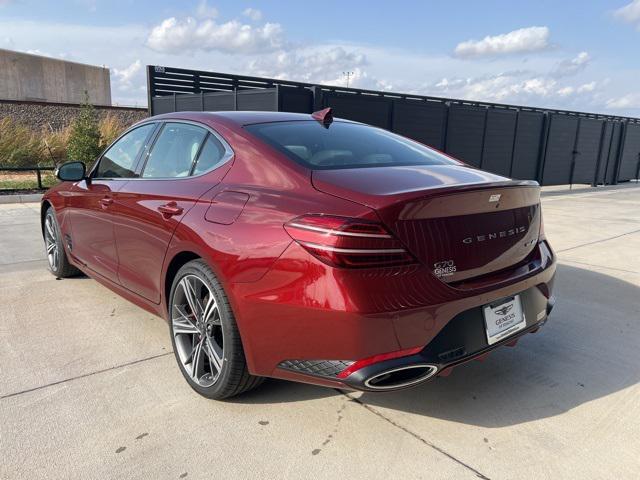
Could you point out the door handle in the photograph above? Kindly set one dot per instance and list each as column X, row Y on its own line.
column 106, row 201
column 170, row 209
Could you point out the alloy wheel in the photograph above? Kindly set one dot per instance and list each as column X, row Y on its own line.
column 51, row 243
column 197, row 330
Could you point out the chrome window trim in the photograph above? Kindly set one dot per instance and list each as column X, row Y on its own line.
column 228, row 155
column 228, row 151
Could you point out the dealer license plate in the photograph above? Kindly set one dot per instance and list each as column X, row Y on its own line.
column 503, row 318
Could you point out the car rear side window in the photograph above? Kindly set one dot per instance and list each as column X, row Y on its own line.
column 344, row 145
column 120, row 160
column 213, row 152
column 175, row 151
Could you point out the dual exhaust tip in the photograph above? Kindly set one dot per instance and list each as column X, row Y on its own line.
column 400, row 377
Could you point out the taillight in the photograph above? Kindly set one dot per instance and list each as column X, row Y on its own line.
column 348, row 242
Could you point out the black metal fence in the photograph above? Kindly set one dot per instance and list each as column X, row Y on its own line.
column 555, row 147
column 13, row 184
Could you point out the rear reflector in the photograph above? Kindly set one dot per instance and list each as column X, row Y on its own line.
column 348, row 242
column 365, row 362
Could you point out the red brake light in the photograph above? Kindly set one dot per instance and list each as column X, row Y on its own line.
column 348, row 242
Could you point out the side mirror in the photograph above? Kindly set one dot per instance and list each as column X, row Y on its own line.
column 71, row 172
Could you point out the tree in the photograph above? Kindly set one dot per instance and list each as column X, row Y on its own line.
column 84, row 141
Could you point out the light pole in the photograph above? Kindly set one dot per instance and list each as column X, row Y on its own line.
column 348, row 76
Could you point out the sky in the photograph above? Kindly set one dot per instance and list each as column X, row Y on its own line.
column 578, row 55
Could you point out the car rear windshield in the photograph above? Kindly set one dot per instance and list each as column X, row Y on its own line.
column 344, row 145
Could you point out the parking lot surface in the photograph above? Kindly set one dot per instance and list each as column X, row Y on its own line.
column 89, row 387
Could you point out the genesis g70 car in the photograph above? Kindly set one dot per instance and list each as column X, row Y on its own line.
column 305, row 248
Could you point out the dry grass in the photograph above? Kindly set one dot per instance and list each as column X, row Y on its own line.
column 110, row 128
column 18, row 144
column 21, row 146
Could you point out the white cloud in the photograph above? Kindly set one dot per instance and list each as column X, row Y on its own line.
column 565, row 91
column 189, row 34
column 205, row 11
column 587, row 87
column 630, row 13
column 313, row 64
column 524, row 40
column 514, row 87
column 630, row 100
column 517, row 87
column 129, row 77
column 252, row 13
column 576, row 65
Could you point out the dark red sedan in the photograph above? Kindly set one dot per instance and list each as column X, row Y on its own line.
column 306, row 248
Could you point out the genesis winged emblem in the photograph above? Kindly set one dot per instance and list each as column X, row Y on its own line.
column 504, row 310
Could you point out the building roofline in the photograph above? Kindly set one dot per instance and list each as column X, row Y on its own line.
column 53, row 58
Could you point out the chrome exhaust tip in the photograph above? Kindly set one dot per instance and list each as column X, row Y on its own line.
column 401, row 377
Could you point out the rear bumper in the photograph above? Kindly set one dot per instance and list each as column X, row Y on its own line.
column 307, row 322
column 462, row 340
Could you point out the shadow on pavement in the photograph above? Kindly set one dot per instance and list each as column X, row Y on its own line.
column 588, row 350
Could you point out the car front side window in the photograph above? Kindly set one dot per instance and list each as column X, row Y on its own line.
column 119, row 161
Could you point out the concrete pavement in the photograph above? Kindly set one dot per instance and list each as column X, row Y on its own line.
column 89, row 387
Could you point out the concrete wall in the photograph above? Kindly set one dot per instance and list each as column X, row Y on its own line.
column 56, row 116
column 31, row 77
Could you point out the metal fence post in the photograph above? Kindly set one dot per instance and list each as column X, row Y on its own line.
column 39, row 178
column 603, row 129
column 151, row 88
column 278, row 99
column 484, row 134
column 574, row 154
column 544, row 142
column 621, row 141
column 513, row 144
column 606, row 166
column 445, row 126
column 316, row 98
column 196, row 82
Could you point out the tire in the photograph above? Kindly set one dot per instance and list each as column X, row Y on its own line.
column 207, row 345
column 59, row 264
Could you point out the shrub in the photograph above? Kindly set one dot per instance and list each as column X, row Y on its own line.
column 84, row 138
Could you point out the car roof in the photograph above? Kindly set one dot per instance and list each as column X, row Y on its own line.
column 239, row 118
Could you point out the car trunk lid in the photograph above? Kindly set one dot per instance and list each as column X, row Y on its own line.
column 460, row 222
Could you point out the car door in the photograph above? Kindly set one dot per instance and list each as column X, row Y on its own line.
column 180, row 167
column 90, row 203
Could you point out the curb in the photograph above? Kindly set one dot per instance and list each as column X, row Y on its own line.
column 26, row 198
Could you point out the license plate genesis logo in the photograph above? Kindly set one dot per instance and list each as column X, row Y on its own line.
column 445, row 268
